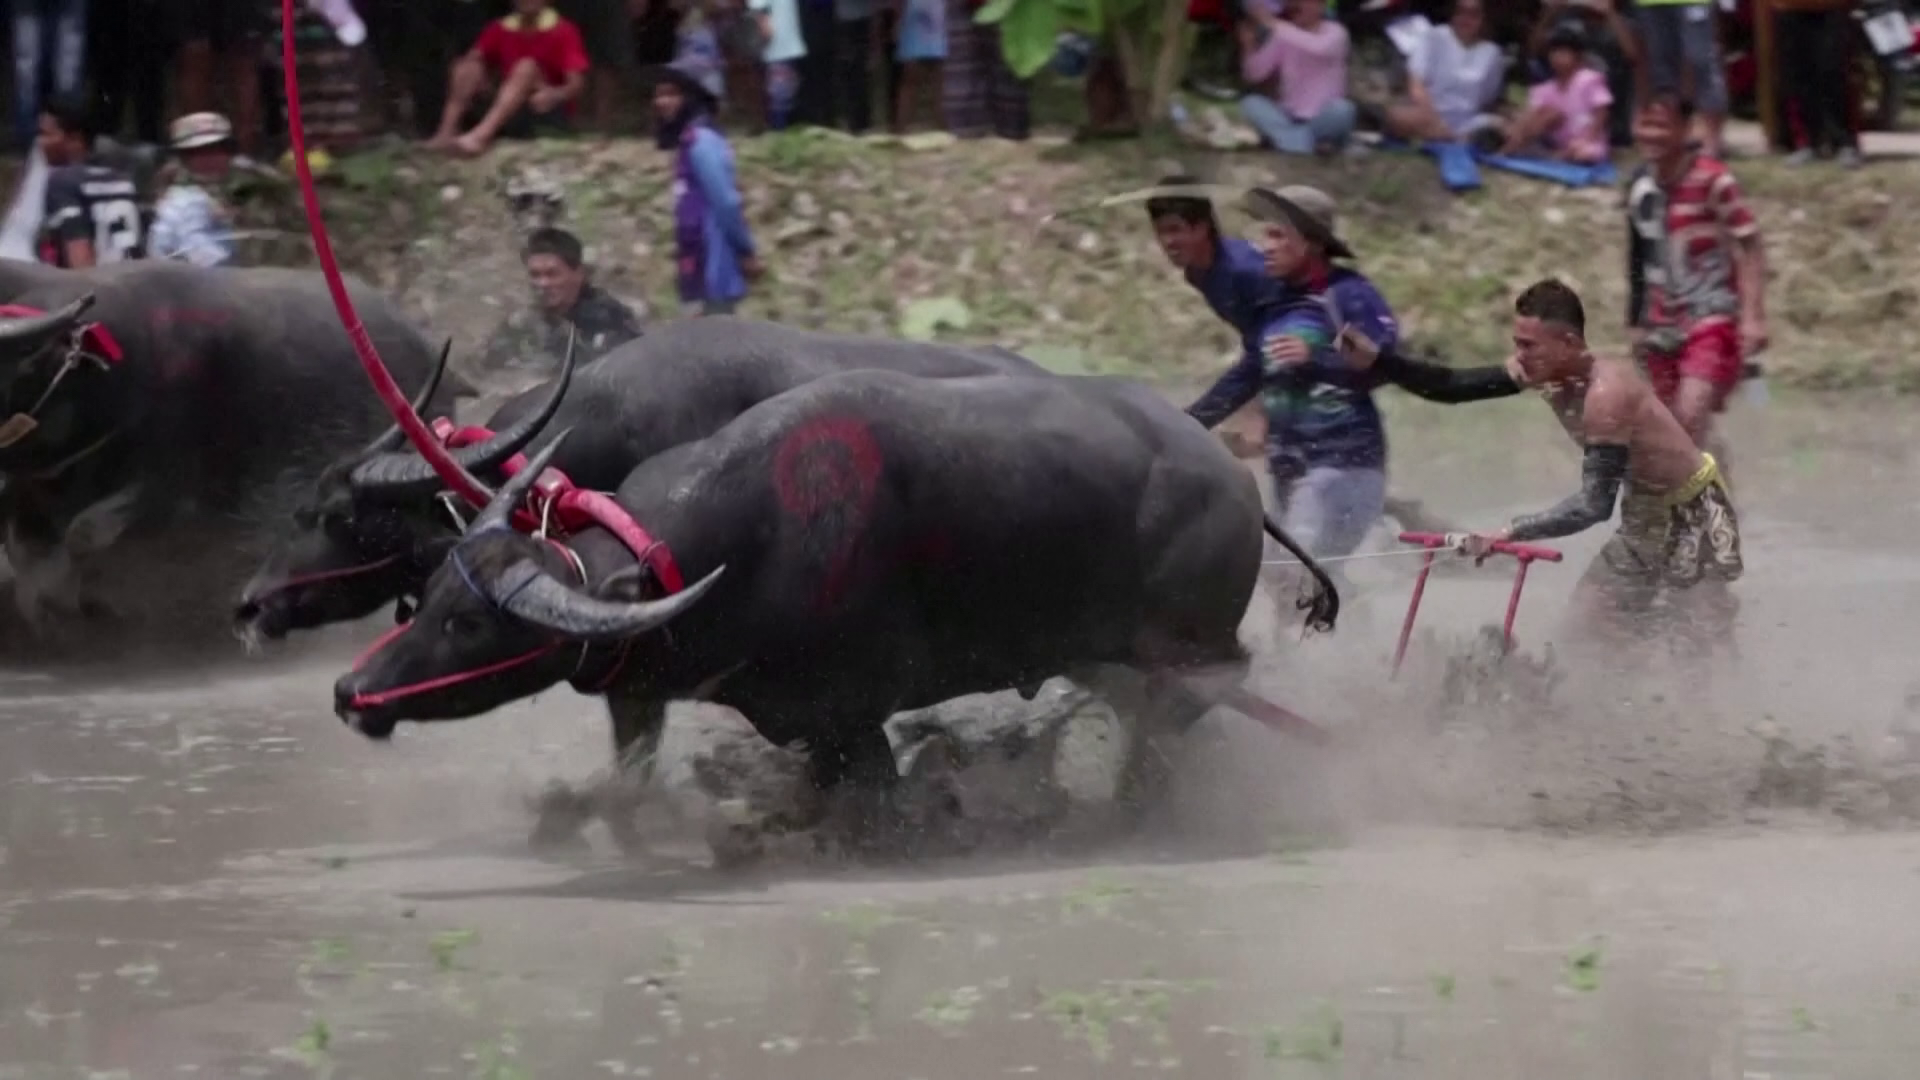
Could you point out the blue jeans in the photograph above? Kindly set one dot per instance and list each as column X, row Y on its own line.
column 1332, row 125
column 1329, row 510
column 46, row 33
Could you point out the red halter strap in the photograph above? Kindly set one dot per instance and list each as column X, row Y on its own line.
column 94, row 337
column 441, row 682
column 574, row 508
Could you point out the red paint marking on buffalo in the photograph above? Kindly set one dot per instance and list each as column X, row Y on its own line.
column 830, row 466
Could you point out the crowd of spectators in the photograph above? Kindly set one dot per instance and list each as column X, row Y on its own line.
column 461, row 73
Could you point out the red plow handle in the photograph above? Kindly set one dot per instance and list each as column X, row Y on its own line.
column 1523, row 554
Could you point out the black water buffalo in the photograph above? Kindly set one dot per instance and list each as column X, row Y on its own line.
column 372, row 529
column 862, row 545
column 142, row 482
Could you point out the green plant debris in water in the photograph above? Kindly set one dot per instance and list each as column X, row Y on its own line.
column 313, row 1042
column 1318, row 1037
column 951, row 1010
column 861, row 920
column 1583, row 969
column 1098, row 896
column 1803, row 1020
column 1143, row 1004
column 447, row 944
column 1443, row 986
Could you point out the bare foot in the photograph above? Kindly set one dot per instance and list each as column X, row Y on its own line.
column 470, row 145
column 441, row 142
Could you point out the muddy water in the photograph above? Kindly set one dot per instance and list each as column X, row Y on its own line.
column 211, row 877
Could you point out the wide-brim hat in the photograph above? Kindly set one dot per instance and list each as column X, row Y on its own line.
column 696, row 81
column 1308, row 210
column 197, row 130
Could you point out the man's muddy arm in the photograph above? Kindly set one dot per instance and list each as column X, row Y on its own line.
column 1442, row 384
column 1602, row 470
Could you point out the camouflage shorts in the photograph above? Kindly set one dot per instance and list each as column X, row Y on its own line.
column 1678, row 538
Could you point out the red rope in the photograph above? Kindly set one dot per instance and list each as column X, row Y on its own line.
column 390, row 393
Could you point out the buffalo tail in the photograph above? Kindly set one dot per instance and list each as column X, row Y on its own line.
column 1323, row 604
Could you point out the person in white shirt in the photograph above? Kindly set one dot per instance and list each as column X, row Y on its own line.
column 1453, row 81
column 189, row 222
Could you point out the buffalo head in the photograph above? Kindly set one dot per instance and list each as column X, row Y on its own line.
column 372, row 527
column 507, row 615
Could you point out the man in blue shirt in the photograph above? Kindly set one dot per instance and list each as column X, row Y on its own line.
column 1325, row 442
column 1228, row 272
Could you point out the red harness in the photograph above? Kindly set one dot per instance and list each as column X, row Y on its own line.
column 567, row 509
column 94, row 337
column 571, row 509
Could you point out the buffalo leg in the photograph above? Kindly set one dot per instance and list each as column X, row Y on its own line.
column 637, row 727
column 1171, row 711
column 856, row 774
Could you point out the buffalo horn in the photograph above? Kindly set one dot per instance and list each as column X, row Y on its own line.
column 532, row 595
column 395, row 435
column 498, row 512
column 25, row 337
column 406, row 475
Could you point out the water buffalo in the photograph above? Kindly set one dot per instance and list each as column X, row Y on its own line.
column 862, row 545
column 144, row 454
column 371, row 529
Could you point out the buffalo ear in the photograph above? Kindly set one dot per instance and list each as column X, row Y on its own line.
column 629, row 585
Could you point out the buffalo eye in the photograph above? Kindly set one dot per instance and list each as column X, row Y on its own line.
column 460, row 625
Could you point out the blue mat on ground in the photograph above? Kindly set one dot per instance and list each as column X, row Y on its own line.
column 1459, row 166
column 1568, row 173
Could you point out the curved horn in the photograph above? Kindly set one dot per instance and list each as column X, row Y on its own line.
column 534, row 596
column 499, row 510
column 405, row 475
column 395, row 435
column 35, row 332
column 460, row 480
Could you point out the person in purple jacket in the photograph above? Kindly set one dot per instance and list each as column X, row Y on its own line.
column 712, row 244
column 1326, row 444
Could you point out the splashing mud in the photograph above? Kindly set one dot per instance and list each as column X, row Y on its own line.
column 1694, row 866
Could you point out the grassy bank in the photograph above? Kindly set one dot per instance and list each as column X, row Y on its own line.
column 880, row 236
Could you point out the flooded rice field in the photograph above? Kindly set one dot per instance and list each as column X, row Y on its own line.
column 1565, row 864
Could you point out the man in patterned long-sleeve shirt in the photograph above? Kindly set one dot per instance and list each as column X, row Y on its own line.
column 190, row 223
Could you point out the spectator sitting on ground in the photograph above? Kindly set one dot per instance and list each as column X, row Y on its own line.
column 1454, row 78
column 713, row 249
column 190, row 223
column 1611, row 50
column 92, row 212
column 1311, row 113
column 564, row 301
column 535, row 64
column 1566, row 117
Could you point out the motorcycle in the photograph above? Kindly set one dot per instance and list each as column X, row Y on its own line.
column 1884, row 55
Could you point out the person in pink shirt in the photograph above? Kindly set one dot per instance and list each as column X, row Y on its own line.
column 1310, row 112
column 1566, row 116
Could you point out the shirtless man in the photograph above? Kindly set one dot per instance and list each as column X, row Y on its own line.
column 1678, row 527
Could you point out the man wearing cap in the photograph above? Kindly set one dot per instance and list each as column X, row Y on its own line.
column 713, row 248
column 189, row 223
column 536, row 64
column 1228, row 272
column 1325, row 442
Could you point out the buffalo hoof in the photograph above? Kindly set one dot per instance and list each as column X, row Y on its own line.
column 926, row 809
column 561, row 816
column 733, row 840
